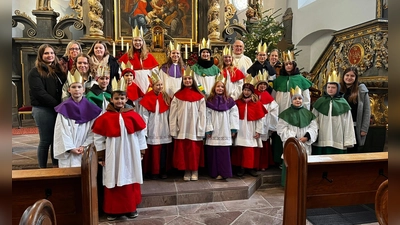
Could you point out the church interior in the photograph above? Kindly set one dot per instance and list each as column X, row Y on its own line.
column 325, row 36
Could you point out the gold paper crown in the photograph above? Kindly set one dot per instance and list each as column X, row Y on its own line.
column 74, row 78
column 188, row 72
column 221, row 78
column 334, row 77
column 288, row 56
column 118, row 85
column 250, row 80
column 103, row 71
column 137, row 33
column 296, row 91
column 154, row 78
column 205, row 44
column 227, row 50
column 262, row 47
column 126, row 65
column 261, row 77
column 174, row 46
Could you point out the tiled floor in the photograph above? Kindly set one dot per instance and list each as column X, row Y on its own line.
column 265, row 206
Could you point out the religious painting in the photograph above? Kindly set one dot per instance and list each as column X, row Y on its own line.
column 179, row 16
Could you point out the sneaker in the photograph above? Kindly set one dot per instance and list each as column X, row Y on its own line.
column 187, row 175
column 195, row 175
column 219, row 177
column 132, row 214
column 240, row 172
column 111, row 217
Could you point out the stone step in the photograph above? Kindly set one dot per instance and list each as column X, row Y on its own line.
column 175, row 191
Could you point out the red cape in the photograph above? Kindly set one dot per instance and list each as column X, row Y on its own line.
column 149, row 102
column 235, row 76
column 189, row 95
column 265, row 97
column 148, row 63
column 133, row 92
column 108, row 124
column 255, row 110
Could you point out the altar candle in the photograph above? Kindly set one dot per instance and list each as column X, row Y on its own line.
column 191, row 45
column 186, row 51
column 127, row 46
column 122, row 43
column 114, row 48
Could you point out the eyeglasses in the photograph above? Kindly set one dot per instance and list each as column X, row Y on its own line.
column 74, row 49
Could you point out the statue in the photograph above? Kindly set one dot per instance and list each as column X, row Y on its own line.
column 213, row 20
column 96, row 18
column 43, row 5
column 77, row 6
column 251, row 15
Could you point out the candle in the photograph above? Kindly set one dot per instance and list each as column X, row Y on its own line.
column 127, row 46
column 186, row 51
column 114, row 48
column 191, row 45
column 122, row 43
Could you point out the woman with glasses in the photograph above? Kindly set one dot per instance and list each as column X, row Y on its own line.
column 71, row 52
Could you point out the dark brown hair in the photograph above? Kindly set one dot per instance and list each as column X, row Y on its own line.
column 353, row 88
column 91, row 50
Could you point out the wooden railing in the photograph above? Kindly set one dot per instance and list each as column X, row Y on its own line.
column 319, row 181
column 72, row 191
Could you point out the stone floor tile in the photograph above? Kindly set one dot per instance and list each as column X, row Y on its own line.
column 213, row 207
column 250, row 217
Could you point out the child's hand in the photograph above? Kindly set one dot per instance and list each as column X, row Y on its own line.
column 77, row 151
column 257, row 135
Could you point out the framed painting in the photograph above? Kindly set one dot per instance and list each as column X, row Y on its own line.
column 179, row 16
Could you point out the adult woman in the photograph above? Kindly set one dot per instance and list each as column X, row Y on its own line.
column 205, row 70
column 82, row 66
column 171, row 71
column 100, row 58
column 357, row 96
column 71, row 52
column 234, row 77
column 142, row 61
column 274, row 61
column 45, row 84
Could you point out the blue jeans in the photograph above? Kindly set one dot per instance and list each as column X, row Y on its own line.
column 45, row 119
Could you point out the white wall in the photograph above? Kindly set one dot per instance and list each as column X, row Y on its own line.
column 314, row 24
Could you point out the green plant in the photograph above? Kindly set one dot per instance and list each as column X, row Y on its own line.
column 266, row 29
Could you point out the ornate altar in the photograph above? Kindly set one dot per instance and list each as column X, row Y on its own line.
column 364, row 46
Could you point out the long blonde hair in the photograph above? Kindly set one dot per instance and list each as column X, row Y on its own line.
column 144, row 52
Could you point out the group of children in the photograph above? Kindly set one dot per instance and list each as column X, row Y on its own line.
column 184, row 128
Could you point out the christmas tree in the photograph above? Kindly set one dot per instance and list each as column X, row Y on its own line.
column 263, row 28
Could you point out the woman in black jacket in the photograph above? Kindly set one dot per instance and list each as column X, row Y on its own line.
column 45, row 84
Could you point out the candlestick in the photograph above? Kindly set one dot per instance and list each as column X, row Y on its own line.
column 191, row 45
column 127, row 46
column 114, row 48
column 122, row 43
column 186, row 51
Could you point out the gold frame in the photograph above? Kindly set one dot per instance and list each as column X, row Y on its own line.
column 118, row 21
column 361, row 56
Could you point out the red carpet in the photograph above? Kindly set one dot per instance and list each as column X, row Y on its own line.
column 25, row 130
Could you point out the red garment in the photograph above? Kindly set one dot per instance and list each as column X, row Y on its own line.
column 188, row 154
column 151, row 160
column 133, row 92
column 107, row 124
column 266, row 159
column 235, row 76
column 141, row 8
column 148, row 63
column 255, row 110
column 246, row 157
column 129, row 194
column 149, row 102
column 264, row 97
column 188, row 94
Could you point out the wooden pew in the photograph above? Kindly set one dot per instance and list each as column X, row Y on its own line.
column 72, row 191
column 329, row 180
